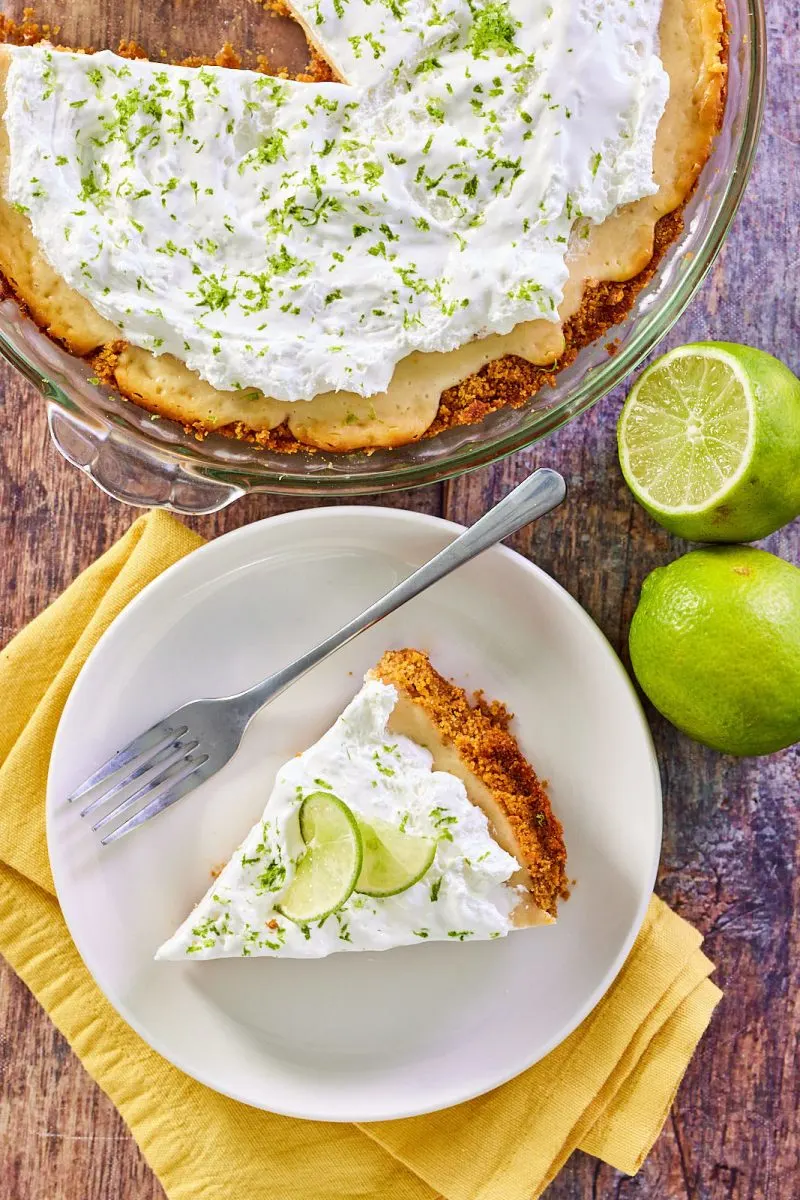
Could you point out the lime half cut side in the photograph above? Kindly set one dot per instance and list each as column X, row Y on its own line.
column 686, row 432
column 709, row 442
column 393, row 860
column 326, row 874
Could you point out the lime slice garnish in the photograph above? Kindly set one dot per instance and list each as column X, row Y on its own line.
column 393, row 861
column 326, row 874
column 686, row 431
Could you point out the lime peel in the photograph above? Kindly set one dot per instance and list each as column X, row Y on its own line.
column 715, row 645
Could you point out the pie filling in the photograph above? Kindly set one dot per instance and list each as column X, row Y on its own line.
column 255, row 253
column 409, row 752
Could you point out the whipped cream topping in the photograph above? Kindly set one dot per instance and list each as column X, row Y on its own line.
column 300, row 238
column 463, row 895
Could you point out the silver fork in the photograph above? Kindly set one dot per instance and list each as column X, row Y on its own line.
column 191, row 744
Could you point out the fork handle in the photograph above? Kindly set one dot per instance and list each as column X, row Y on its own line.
column 535, row 496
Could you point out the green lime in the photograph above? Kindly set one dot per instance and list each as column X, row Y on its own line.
column 393, row 861
column 715, row 644
column 709, row 442
column 326, row 874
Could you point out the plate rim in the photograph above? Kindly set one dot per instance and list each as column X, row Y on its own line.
column 252, row 530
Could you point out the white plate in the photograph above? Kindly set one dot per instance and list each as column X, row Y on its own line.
column 355, row 1036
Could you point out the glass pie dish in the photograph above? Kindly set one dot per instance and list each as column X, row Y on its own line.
column 156, row 463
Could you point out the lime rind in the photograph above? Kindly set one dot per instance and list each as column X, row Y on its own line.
column 393, row 861
column 687, row 430
column 715, row 645
column 326, row 875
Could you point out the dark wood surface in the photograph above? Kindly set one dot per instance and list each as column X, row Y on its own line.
column 730, row 856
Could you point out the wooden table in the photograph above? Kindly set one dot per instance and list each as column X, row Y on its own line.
column 730, row 852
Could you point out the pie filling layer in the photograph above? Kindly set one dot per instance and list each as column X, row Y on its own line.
column 492, row 825
column 456, row 196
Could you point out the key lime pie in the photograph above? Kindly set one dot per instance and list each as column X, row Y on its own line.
column 479, row 190
column 414, row 818
column 360, row 262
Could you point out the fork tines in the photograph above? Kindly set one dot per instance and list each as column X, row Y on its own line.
column 162, row 758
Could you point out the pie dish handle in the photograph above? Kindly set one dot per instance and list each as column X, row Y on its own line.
column 146, row 479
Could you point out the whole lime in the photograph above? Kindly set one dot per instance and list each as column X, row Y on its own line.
column 715, row 645
column 709, row 442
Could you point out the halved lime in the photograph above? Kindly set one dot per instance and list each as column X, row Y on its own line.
column 393, row 861
column 709, row 442
column 326, row 874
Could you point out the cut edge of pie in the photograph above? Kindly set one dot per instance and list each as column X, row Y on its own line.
column 427, row 395
column 472, row 741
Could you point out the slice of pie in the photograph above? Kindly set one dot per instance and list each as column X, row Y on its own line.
column 455, row 838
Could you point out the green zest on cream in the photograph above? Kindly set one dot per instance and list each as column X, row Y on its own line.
column 429, row 888
column 301, row 238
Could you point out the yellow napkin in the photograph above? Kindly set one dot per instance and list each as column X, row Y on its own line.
column 607, row 1089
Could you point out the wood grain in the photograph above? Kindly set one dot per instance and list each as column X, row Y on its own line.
column 730, row 859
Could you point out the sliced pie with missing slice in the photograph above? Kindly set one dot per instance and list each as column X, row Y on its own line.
column 416, row 817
